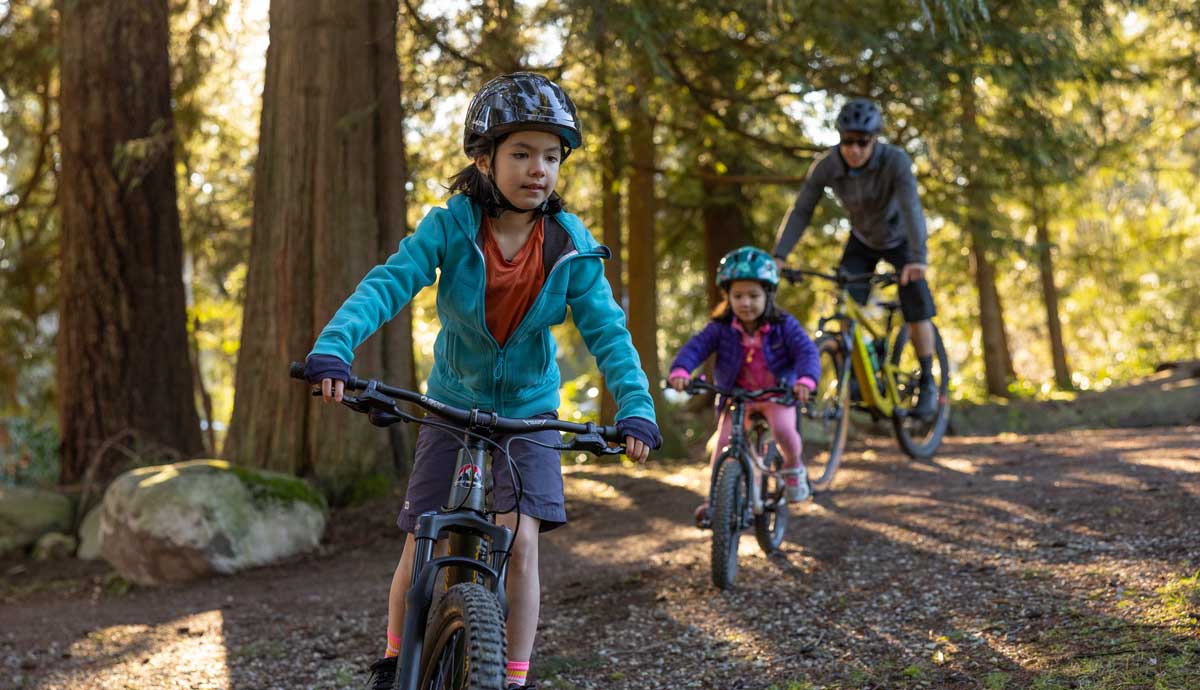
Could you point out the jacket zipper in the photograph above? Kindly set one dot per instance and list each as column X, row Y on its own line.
column 498, row 370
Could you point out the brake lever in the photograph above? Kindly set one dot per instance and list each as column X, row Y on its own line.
column 592, row 443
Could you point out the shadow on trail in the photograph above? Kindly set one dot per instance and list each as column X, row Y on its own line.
column 996, row 564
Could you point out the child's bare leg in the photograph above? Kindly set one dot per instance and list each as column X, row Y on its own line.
column 401, row 580
column 523, row 586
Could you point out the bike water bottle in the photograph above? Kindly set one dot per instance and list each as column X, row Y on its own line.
column 872, row 351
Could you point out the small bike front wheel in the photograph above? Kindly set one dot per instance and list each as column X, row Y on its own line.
column 920, row 438
column 729, row 505
column 770, row 527
column 824, row 422
column 464, row 642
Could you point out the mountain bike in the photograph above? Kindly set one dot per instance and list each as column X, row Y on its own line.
column 459, row 643
column 747, row 483
column 866, row 366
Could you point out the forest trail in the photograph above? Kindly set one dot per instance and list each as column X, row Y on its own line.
column 1052, row 561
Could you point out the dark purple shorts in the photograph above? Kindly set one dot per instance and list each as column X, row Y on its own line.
column 540, row 471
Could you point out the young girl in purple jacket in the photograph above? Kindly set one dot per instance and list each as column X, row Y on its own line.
column 758, row 346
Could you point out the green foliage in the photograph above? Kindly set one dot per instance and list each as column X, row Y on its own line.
column 28, row 452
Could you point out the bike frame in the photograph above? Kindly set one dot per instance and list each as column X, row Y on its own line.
column 464, row 519
column 853, row 320
column 744, row 452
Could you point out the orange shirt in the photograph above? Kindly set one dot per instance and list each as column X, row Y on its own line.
column 512, row 286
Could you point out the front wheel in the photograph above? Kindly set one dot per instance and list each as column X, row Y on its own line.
column 920, row 438
column 823, row 423
column 464, row 642
column 729, row 505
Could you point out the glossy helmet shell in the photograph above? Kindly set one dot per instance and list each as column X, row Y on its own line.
column 747, row 263
column 520, row 101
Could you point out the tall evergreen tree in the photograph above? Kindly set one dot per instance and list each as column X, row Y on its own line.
column 329, row 203
column 123, row 373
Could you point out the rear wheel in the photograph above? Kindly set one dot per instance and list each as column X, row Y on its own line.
column 464, row 642
column 823, row 423
column 920, row 438
column 769, row 528
column 730, row 501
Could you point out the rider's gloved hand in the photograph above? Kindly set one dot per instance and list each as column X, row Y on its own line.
column 330, row 372
column 641, row 436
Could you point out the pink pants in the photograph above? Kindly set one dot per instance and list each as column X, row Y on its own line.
column 782, row 421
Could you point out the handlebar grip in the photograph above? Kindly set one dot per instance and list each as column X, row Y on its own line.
column 610, row 433
column 296, row 370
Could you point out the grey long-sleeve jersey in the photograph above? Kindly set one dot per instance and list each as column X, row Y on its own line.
column 881, row 201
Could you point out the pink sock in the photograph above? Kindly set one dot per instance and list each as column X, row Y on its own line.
column 516, row 672
column 393, row 645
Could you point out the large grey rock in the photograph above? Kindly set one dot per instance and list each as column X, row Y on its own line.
column 172, row 523
column 26, row 514
column 89, row 536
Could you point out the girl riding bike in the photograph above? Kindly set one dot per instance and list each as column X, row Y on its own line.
column 511, row 261
column 758, row 346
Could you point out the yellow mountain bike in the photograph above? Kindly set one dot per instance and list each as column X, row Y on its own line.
column 866, row 366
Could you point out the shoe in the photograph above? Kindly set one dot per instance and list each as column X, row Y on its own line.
column 383, row 673
column 927, row 399
column 522, row 687
column 703, row 519
column 796, row 486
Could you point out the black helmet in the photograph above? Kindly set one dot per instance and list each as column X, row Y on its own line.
column 521, row 100
column 860, row 115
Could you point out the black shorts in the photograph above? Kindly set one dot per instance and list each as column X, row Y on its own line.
column 540, row 471
column 916, row 302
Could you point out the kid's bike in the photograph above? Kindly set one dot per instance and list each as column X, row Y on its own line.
column 460, row 644
column 866, row 366
column 747, row 485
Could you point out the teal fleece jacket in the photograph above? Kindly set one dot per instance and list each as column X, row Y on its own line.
column 470, row 369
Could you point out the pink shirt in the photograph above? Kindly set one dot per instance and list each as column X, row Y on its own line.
column 754, row 374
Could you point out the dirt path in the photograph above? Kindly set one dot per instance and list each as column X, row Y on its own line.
column 1056, row 561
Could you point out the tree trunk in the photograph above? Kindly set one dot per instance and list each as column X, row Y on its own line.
column 611, row 168
column 724, row 229
column 643, row 261
column 329, row 204
column 123, row 370
column 610, row 214
column 997, row 361
column 1058, row 352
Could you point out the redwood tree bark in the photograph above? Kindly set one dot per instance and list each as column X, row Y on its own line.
column 725, row 229
column 123, row 370
column 329, row 203
column 642, row 210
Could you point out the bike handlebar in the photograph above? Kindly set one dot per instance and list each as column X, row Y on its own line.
column 740, row 394
column 841, row 279
column 383, row 398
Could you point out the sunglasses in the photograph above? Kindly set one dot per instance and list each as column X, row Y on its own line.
column 861, row 143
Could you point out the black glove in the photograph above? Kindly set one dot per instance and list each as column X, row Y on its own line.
column 320, row 367
column 641, row 429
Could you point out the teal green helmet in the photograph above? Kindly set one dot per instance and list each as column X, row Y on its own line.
column 747, row 263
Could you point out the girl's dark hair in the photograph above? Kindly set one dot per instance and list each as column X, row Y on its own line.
column 771, row 313
column 476, row 185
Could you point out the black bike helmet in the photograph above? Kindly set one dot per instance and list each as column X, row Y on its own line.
column 860, row 115
column 521, row 100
